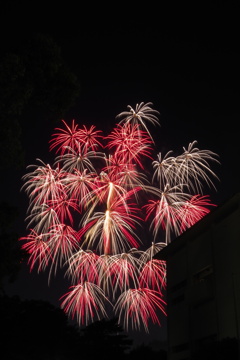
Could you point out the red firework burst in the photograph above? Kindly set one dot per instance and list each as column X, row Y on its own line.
column 87, row 212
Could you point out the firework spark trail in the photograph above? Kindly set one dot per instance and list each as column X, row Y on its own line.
column 153, row 275
column 44, row 216
column 78, row 159
column 74, row 138
column 83, row 267
column 65, row 139
column 130, row 143
column 150, row 252
column 106, row 190
column 123, row 173
column 115, row 227
column 166, row 170
column 43, row 184
column 194, row 165
column 79, row 185
column 189, row 169
column 124, row 270
column 165, row 211
column 63, row 208
column 110, row 198
column 63, row 242
column 85, row 301
column 143, row 113
column 36, row 245
column 90, row 138
column 138, row 306
column 193, row 210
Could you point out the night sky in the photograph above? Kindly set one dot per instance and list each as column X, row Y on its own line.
column 184, row 60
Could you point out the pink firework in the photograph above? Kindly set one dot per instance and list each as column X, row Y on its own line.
column 164, row 211
column 36, row 245
column 194, row 210
column 83, row 267
column 44, row 217
column 130, row 144
column 112, row 231
column 80, row 185
column 73, row 137
column 125, row 174
column 79, row 159
column 104, row 209
column 44, row 184
column 63, row 242
column 91, row 137
column 64, row 208
column 139, row 306
column 153, row 275
column 124, row 270
column 85, row 301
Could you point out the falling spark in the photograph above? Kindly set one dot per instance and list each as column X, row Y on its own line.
column 86, row 302
column 138, row 306
column 142, row 113
column 73, row 138
column 36, row 245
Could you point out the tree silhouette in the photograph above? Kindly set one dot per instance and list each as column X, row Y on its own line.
column 106, row 338
column 37, row 330
column 33, row 79
column 10, row 253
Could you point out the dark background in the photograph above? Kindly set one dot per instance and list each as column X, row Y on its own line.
column 183, row 58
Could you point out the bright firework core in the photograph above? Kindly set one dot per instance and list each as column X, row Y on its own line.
column 86, row 212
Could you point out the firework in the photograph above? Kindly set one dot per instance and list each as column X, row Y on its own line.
column 131, row 143
column 85, row 301
column 73, row 138
column 190, row 169
column 94, row 211
column 36, row 245
column 44, row 184
column 138, row 306
column 143, row 113
column 112, row 231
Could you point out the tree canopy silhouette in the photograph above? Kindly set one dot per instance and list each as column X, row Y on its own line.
column 34, row 79
column 35, row 84
column 105, row 337
column 33, row 329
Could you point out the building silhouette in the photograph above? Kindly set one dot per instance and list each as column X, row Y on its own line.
column 203, row 285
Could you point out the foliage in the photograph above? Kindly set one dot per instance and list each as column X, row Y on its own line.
column 33, row 80
column 36, row 330
column 10, row 253
column 105, row 338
